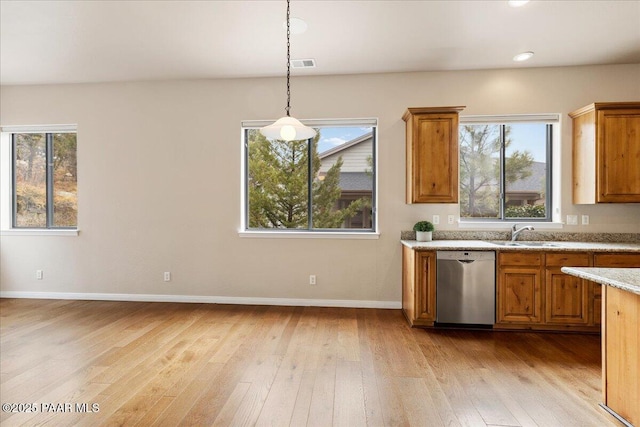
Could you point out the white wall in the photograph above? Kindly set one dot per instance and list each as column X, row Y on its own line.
column 159, row 179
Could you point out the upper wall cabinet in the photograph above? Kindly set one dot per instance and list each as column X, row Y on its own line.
column 606, row 153
column 432, row 154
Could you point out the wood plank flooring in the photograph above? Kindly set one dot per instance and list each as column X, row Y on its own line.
column 161, row 364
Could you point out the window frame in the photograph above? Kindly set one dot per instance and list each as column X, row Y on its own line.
column 8, row 220
column 552, row 123
column 309, row 232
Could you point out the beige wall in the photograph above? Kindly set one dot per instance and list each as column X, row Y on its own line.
column 159, row 179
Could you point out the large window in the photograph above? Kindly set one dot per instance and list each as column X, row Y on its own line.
column 44, row 180
column 505, row 168
column 322, row 184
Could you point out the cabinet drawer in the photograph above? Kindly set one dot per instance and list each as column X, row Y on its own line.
column 520, row 258
column 616, row 260
column 567, row 260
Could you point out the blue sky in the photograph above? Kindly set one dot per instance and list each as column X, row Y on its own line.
column 529, row 137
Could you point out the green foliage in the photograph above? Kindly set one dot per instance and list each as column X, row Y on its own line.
column 423, row 226
column 526, row 211
column 278, row 186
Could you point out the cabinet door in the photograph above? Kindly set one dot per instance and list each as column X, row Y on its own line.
column 432, row 154
column 519, row 296
column 567, row 297
column 618, row 156
column 425, row 302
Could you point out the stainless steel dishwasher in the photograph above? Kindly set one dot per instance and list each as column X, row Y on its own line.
column 466, row 288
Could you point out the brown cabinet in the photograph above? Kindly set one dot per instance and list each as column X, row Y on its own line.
column 419, row 286
column 432, row 154
column 533, row 293
column 519, row 292
column 606, row 153
column 567, row 297
column 620, row 354
column 612, row 260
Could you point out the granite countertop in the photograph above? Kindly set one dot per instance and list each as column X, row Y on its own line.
column 523, row 246
column 627, row 279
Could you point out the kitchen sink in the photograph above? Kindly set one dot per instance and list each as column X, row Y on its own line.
column 525, row 244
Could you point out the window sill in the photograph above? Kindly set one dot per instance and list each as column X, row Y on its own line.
column 32, row 232
column 488, row 225
column 308, row 235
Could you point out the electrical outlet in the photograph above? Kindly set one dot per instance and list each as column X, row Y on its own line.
column 585, row 219
column 436, row 219
column 451, row 219
column 167, row 276
column 312, row 279
column 572, row 219
column 39, row 274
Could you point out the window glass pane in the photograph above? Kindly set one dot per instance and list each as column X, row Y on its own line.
column 343, row 178
column 65, row 182
column 480, row 171
column 525, row 170
column 30, row 180
column 277, row 184
column 333, row 190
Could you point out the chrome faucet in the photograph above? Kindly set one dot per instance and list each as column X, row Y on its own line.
column 515, row 232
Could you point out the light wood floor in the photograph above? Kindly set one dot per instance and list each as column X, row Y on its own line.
column 196, row 364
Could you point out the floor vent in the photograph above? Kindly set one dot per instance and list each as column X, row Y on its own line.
column 303, row 63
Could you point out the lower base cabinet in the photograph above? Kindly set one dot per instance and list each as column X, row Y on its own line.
column 620, row 354
column 519, row 284
column 419, row 286
column 531, row 291
column 567, row 297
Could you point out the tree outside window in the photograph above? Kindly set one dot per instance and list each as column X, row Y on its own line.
column 318, row 184
column 505, row 171
column 45, row 180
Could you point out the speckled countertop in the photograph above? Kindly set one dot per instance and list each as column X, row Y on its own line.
column 556, row 246
column 627, row 279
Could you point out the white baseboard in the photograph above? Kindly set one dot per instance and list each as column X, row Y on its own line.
column 204, row 299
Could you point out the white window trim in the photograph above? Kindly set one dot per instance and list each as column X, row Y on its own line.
column 306, row 234
column 556, row 171
column 6, row 189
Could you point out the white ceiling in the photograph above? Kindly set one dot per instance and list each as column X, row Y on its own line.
column 98, row 41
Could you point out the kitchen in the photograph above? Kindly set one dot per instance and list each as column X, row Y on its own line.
column 131, row 161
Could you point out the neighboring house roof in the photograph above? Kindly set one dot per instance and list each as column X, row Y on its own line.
column 356, row 181
column 346, row 145
column 534, row 182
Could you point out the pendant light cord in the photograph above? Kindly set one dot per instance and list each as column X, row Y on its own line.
column 288, row 59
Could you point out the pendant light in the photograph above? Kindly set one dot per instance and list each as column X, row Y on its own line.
column 288, row 128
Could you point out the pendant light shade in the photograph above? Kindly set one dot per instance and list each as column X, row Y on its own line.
column 288, row 128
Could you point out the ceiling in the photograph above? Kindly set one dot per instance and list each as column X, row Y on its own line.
column 45, row 42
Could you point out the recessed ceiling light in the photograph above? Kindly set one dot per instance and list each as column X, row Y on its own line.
column 522, row 56
column 296, row 25
column 517, row 3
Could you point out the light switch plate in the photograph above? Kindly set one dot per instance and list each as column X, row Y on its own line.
column 572, row 219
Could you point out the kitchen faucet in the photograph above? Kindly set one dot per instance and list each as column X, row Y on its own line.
column 515, row 232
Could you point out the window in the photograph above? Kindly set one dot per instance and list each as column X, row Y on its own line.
column 322, row 184
column 44, row 183
column 505, row 168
